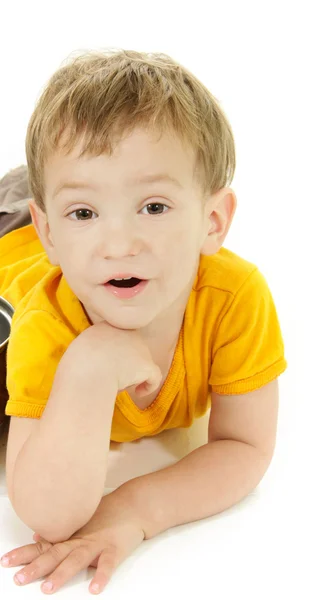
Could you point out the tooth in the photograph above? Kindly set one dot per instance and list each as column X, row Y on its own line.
column 122, row 278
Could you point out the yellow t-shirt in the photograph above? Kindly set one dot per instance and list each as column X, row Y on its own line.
column 230, row 341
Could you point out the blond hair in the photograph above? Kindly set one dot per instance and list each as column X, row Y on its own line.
column 106, row 93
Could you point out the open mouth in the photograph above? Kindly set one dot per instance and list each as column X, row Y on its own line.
column 126, row 288
column 125, row 283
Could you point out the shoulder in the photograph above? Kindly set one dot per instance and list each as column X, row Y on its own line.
column 226, row 280
column 224, row 271
column 41, row 294
column 37, row 342
column 36, row 336
column 28, row 289
column 45, row 322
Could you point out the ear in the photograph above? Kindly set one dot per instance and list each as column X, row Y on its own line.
column 219, row 212
column 42, row 227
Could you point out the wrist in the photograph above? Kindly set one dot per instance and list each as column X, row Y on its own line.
column 137, row 493
column 80, row 372
column 82, row 357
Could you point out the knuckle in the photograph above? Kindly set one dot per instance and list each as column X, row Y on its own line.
column 109, row 556
column 80, row 555
column 42, row 547
column 58, row 552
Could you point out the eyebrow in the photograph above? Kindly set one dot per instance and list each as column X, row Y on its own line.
column 159, row 177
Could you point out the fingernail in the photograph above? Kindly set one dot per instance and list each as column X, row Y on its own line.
column 95, row 587
column 20, row 578
column 48, row 586
column 5, row 561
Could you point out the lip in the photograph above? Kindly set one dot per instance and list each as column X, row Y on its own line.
column 124, row 276
column 126, row 293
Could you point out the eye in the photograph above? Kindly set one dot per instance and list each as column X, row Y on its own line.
column 155, row 204
column 81, row 210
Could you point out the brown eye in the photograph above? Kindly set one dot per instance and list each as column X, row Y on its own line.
column 153, row 206
column 81, row 212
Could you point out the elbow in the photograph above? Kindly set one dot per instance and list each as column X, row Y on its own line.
column 264, row 460
column 59, row 529
column 54, row 529
column 54, row 516
column 55, row 532
column 56, row 535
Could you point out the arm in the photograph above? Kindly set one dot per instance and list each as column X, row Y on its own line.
column 59, row 475
column 242, row 433
column 204, row 483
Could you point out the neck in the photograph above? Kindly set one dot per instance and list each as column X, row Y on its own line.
column 162, row 334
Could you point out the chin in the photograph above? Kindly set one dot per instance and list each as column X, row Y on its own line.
column 121, row 321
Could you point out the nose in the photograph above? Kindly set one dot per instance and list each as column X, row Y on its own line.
column 118, row 238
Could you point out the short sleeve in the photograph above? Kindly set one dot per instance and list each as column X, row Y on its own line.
column 36, row 344
column 248, row 349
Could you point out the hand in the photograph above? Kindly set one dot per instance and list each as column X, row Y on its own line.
column 121, row 351
column 111, row 535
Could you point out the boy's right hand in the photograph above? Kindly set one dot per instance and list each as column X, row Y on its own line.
column 121, row 352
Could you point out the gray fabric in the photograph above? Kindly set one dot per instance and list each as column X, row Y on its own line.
column 14, row 196
column 14, row 213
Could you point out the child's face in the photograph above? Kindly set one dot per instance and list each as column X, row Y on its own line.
column 116, row 231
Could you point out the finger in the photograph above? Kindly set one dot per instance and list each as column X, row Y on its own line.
column 44, row 563
column 142, row 389
column 26, row 554
column 155, row 379
column 77, row 560
column 150, row 384
column 108, row 561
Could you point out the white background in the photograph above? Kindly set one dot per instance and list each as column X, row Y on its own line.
column 264, row 62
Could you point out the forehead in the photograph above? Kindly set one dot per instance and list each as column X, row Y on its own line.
column 137, row 158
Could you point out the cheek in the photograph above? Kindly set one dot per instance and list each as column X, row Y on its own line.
column 71, row 260
column 180, row 253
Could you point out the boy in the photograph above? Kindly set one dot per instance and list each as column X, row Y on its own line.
column 134, row 319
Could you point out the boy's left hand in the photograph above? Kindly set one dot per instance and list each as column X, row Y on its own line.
column 111, row 535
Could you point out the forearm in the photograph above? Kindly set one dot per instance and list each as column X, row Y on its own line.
column 60, row 472
column 205, row 482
